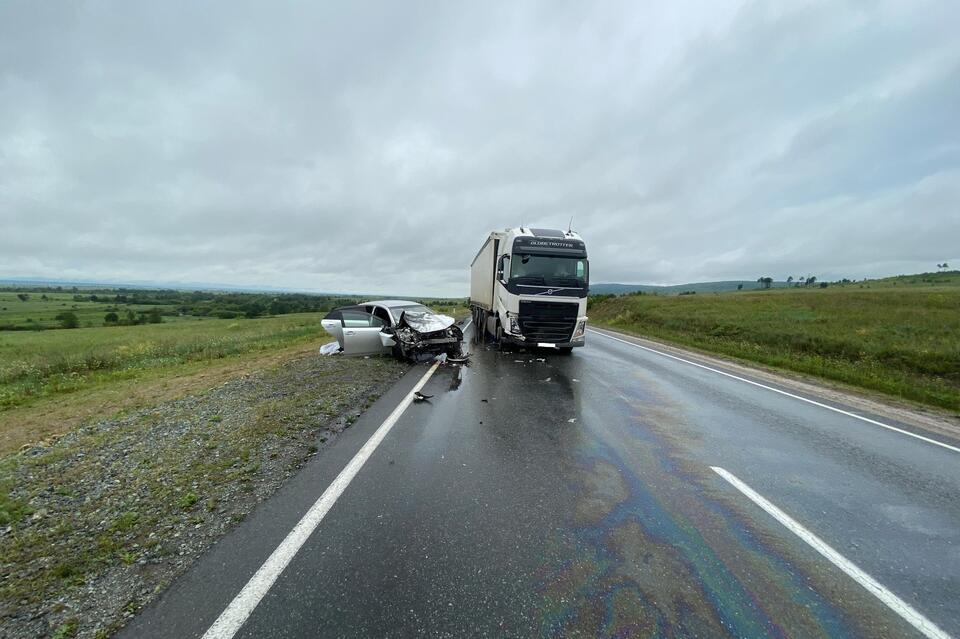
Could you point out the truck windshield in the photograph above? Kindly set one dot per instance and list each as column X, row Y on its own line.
column 547, row 270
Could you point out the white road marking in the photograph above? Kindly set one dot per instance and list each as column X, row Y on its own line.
column 231, row 619
column 783, row 392
column 895, row 603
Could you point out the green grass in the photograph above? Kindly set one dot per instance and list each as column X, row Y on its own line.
column 899, row 336
column 11, row 510
column 40, row 313
column 36, row 364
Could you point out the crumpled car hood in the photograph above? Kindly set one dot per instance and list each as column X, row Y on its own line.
column 423, row 322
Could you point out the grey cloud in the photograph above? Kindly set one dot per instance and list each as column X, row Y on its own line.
column 370, row 146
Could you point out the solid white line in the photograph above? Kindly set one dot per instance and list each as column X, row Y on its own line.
column 230, row 620
column 782, row 392
column 899, row 606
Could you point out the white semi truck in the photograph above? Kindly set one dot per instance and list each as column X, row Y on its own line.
column 529, row 287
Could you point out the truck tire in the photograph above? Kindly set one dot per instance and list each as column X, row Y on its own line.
column 479, row 325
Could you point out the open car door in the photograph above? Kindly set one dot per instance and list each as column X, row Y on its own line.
column 361, row 332
column 333, row 324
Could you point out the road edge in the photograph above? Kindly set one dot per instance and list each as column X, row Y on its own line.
column 920, row 416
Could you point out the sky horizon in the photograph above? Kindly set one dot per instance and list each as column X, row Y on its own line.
column 217, row 286
column 371, row 146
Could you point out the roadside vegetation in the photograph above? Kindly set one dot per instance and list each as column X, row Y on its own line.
column 899, row 335
column 38, row 364
column 44, row 308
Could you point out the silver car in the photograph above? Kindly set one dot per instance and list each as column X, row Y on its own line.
column 401, row 327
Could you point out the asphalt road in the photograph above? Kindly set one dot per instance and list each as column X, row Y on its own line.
column 576, row 497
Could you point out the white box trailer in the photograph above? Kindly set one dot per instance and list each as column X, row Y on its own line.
column 529, row 287
column 483, row 274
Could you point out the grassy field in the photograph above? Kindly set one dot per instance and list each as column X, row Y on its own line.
column 899, row 336
column 39, row 310
column 37, row 364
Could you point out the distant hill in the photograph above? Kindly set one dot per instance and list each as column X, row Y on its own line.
column 698, row 287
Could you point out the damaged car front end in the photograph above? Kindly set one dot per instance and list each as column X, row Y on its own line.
column 424, row 332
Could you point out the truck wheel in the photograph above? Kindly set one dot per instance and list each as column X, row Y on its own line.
column 478, row 327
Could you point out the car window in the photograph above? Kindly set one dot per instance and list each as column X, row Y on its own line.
column 359, row 319
column 333, row 315
column 382, row 313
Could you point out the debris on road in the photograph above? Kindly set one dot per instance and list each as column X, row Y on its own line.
column 420, row 397
column 331, row 348
column 457, row 378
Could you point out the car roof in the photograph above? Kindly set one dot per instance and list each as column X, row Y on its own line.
column 392, row 303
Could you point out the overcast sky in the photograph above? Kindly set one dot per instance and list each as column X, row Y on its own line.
column 370, row 147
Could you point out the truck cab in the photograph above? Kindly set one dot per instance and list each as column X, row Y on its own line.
column 529, row 287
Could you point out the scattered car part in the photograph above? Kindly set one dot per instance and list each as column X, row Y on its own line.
column 330, row 348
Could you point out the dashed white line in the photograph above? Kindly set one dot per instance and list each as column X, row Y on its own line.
column 239, row 610
column 783, row 392
column 895, row 603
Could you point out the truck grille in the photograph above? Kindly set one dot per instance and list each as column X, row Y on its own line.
column 547, row 321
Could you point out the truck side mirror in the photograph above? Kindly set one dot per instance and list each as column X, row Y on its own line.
column 500, row 267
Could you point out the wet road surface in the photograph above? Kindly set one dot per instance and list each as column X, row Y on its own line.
column 548, row 495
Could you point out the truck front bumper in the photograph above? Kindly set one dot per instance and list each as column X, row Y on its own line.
column 519, row 341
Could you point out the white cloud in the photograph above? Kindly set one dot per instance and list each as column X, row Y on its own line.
column 370, row 147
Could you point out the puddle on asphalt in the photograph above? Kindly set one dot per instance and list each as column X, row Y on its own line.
column 653, row 548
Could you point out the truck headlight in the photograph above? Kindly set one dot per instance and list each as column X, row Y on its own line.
column 581, row 328
column 514, row 326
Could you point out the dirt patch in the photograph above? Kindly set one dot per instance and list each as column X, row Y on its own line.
column 94, row 524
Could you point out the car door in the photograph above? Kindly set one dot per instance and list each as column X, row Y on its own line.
column 361, row 332
column 381, row 312
column 333, row 324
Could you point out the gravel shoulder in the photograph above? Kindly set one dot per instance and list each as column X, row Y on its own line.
column 51, row 417
column 96, row 523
